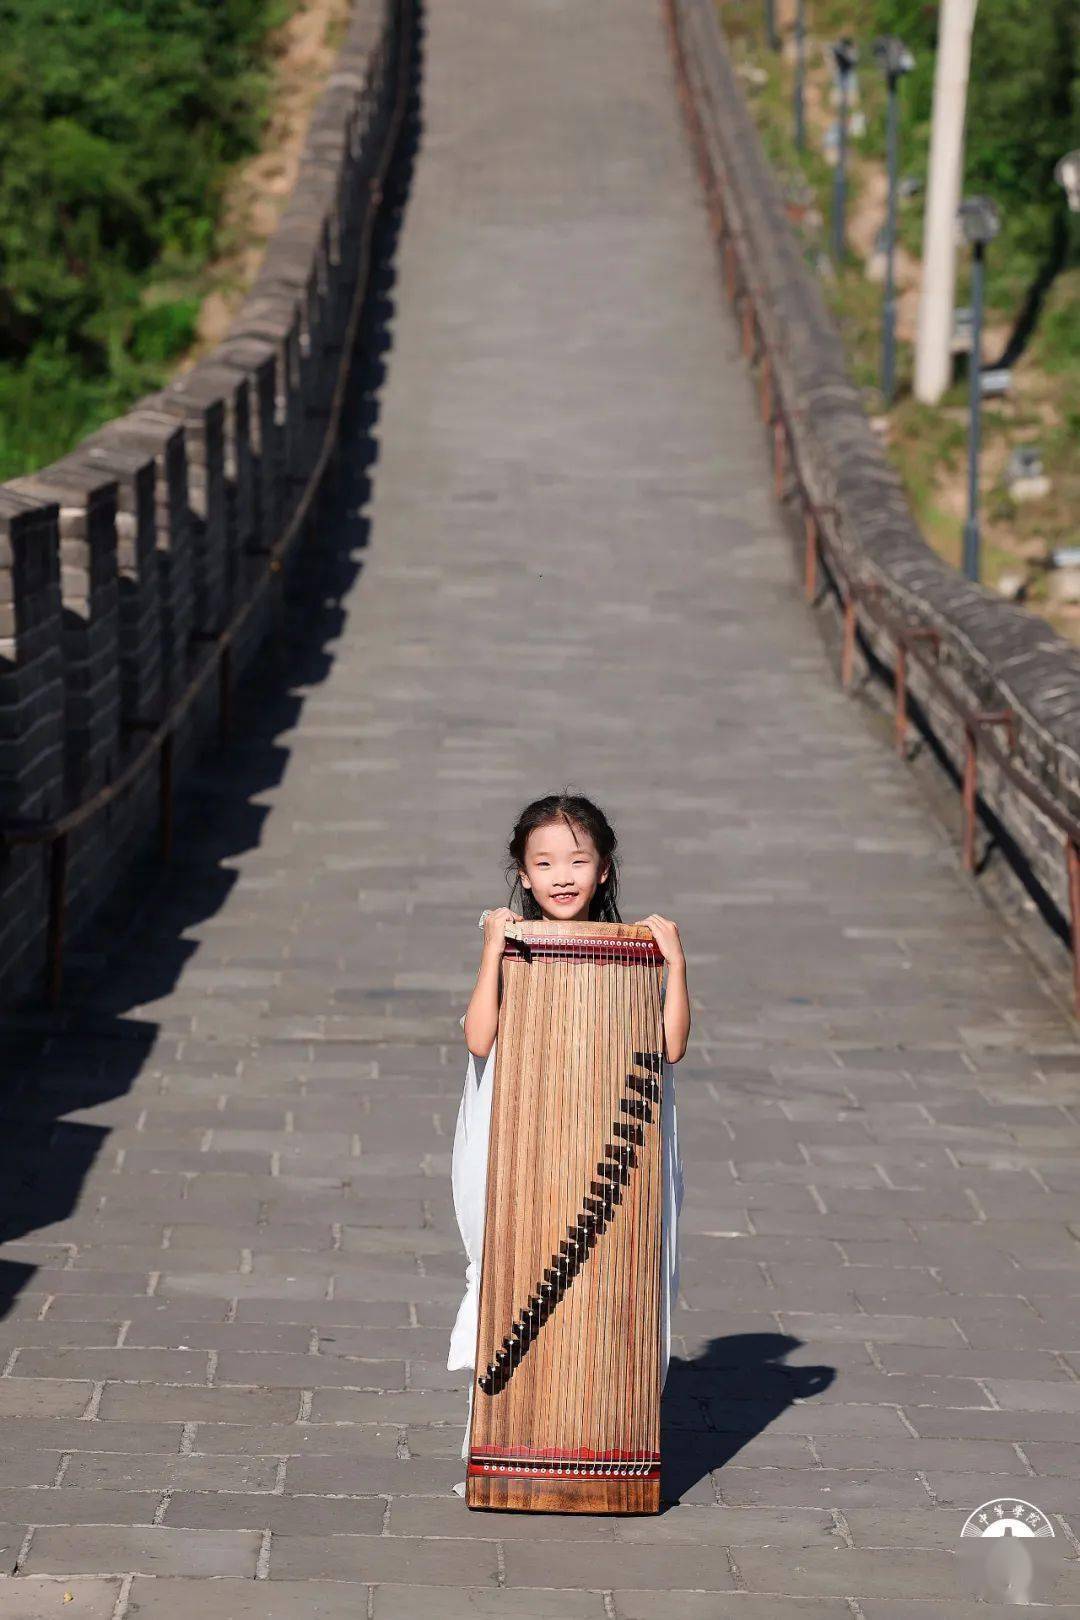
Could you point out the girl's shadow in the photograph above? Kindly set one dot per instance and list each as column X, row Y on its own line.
column 718, row 1401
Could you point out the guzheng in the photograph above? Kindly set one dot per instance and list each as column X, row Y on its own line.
column 566, row 1404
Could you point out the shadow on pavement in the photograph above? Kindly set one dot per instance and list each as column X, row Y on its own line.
column 716, row 1403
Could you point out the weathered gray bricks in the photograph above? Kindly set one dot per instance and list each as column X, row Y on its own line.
column 134, row 474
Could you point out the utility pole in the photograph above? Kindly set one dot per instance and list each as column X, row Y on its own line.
column 956, row 19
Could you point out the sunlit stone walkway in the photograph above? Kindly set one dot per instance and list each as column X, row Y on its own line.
column 232, row 1261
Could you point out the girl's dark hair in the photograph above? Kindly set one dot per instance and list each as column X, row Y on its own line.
column 581, row 815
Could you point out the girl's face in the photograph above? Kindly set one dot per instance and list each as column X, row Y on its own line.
column 563, row 870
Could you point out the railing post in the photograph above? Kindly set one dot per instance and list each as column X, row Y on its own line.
column 729, row 269
column 766, row 393
column 971, row 769
column 900, row 723
column 1002, row 717
column 847, row 649
column 747, row 316
column 58, row 863
column 1072, row 855
column 811, row 559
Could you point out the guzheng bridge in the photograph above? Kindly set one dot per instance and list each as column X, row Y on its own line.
column 530, row 461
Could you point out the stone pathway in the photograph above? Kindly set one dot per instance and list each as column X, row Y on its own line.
column 232, row 1259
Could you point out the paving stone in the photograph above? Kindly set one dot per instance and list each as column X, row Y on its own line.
column 63, row 1505
column 443, row 1516
column 831, row 1488
column 167, row 1598
column 91, row 1308
column 395, row 1602
column 976, row 1456
column 12, row 1537
column 221, row 1336
column 40, row 1597
column 591, row 1566
column 59, row 1434
column 131, row 1366
column 731, row 1527
column 309, row 1372
column 842, row 1572
column 345, row 1406
column 58, row 1333
column 929, row 1527
column 330, row 1440
column 332, row 1314
column 736, row 1605
column 161, row 1473
column 1029, row 1395
column 964, row 1492
column 904, row 1609
column 283, row 1515
column 373, row 1475
column 28, row 1468
column 425, row 1560
column 43, row 1397
column 187, row 1403
column 106, row 1549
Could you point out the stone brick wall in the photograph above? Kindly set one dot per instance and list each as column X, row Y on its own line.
column 995, row 655
column 120, row 562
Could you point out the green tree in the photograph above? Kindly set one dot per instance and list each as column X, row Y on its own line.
column 119, row 121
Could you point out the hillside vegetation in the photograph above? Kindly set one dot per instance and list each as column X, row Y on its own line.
column 1023, row 114
column 120, row 121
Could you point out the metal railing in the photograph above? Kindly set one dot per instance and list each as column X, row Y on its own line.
column 862, row 598
column 159, row 748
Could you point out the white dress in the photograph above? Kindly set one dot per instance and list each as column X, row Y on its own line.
column 469, row 1178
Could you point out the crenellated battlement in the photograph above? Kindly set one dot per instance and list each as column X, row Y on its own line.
column 124, row 564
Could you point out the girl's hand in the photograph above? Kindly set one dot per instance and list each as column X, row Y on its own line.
column 495, row 925
column 666, row 935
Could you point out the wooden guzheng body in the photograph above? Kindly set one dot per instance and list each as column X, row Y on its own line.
column 566, row 1404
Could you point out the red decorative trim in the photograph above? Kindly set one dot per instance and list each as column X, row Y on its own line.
column 588, row 947
column 556, row 1454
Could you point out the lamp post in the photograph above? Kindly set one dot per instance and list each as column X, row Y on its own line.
column 800, row 75
column 845, row 56
column 980, row 223
column 894, row 59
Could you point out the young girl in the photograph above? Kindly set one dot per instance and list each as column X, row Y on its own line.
column 563, row 866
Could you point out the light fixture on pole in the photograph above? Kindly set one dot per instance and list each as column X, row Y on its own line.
column 980, row 223
column 894, row 60
column 800, row 75
column 1067, row 175
column 845, row 56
